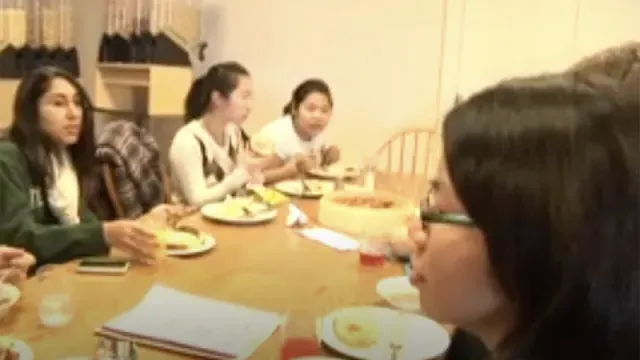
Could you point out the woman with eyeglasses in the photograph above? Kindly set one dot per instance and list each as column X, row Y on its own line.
column 529, row 240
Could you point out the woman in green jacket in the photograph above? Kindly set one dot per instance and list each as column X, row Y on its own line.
column 44, row 163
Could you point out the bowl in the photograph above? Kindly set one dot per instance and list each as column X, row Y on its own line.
column 9, row 296
column 399, row 292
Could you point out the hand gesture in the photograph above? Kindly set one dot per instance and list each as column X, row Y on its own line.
column 254, row 167
column 170, row 214
column 129, row 236
column 257, row 179
column 14, row 264
column 330, row 155
column 305, row 162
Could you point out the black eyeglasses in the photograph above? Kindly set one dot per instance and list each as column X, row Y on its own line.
column 431, row 215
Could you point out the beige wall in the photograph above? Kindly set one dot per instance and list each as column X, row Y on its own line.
column 544, row 35
column 390, row 63
column 7, row 91
column 383, row 57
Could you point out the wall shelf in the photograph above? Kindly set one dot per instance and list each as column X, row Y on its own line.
column 8, row 89
column 164, row 86
column 128, row 75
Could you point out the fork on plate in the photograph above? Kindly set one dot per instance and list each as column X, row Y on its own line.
column 303, row 184
column 117, row 349
column 397, row 335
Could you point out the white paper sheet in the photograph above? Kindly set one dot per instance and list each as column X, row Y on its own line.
column 170, row 315
column 331, row 238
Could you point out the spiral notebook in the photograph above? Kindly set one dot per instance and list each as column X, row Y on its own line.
column 180, row 322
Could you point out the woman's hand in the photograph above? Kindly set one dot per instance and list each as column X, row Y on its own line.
column 170, row 214
column 257, row 179
column 305, row 162
column 14, row 264
column 254, row 167
column 130, row 237
column 15, row 257
column 23, row 262
column 13, row 276
column 330, row 155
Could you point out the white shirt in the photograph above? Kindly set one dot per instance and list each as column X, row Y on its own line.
column 280, row 137
column 186, row 161
column 64, row 194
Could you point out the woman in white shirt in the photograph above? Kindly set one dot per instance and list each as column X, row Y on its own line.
column 296, row 141
column 207, row 154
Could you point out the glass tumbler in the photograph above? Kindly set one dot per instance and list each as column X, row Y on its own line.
column 56, row 305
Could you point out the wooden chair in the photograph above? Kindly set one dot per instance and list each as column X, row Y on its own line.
column 406, row 161
column 110, row 184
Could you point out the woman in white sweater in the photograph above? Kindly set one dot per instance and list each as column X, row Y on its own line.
column 207, row 154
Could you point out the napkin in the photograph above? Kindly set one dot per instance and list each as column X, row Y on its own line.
column 331, row 238
column 296, row 217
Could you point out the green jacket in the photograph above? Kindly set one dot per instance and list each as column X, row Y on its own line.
column 26, row 223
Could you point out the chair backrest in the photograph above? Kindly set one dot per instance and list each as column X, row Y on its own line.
column 407, row 152
column 406, row 159
column 114, row 197
column 131, row 169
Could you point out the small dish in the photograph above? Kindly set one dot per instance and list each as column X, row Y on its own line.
column 399, row 292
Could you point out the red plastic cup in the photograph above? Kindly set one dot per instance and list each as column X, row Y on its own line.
column 297, row 347
column 372, row 253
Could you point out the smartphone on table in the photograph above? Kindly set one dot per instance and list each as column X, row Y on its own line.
column 103, row 265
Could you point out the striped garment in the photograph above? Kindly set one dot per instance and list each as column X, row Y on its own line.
column 134, row 158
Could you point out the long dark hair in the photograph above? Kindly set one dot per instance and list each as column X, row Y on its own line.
column 616, row 62
column 35, row 144
column 619, row 63
column 549, row 169
column 303, row 90
column 222, row 78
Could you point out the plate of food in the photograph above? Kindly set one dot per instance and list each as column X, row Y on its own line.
column 269, row 196
column 185, row 241
column 14, row 349
column 376, row 332
column 399, row 292
column 9, row 296
column 240, row 211
column 335, row 171
column 306, row 188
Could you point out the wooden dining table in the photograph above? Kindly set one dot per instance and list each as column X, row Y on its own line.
column 268, row 266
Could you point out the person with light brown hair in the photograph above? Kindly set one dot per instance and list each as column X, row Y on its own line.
column 620, row 64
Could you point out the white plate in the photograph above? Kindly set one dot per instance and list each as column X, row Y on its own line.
column 391, row 288
column 23, row 349
column 316, row 358
column 336, row 171
column 423, row 337
column 214, row 211
column 295, row 188
column 208, row 243
column 12, row 294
